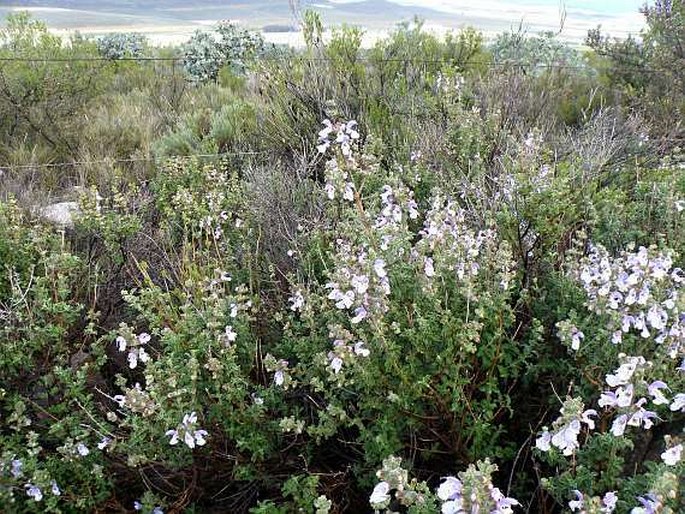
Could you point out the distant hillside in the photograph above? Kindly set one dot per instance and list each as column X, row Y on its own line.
column 177, row 19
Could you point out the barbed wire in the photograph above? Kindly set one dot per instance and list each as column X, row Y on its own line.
column 358, row 59
column 135, row 159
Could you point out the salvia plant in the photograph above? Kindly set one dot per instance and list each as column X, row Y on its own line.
column 384, row 284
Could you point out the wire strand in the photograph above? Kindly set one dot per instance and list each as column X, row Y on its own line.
column 134, row 159
column 372, row 60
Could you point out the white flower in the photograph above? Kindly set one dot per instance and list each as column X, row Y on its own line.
column 34, row 492
column 453, row 507
column 380, row 493
column 360, row 283
column 585, row 418
column 348, row 192
column 296, row 300
column 379, row 268
column 578, row 503
column 121, row 343
column 336, row 364
column 618, row 427
column 576, row 337
column 135, row 355
column 82, row 449
column 623, row 374
column 192, row 437
column 428, row 268
column 449, row 489
column 566, row 439
column 230, row 335
column 360, row 350
column 345, row 300
column 678, row 403
column 54, row 488
column 279, row 377
column 673, row 455
column 359, row 314
column 657, row 317
column 654, row 390
column 543, row 443
column 610, row 500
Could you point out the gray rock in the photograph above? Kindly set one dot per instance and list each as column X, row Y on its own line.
column 61, row 214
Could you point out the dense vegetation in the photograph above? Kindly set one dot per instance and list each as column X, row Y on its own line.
column 437, row 275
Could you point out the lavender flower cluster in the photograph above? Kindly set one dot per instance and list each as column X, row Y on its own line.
column 639, row 292
column 449, row 247
column 359, row 283
column 567, row 427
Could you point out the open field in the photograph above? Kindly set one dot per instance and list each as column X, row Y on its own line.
column 171, row 22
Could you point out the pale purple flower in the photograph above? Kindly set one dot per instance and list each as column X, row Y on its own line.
column 121, row 343
column 380, row 494
column 642, row 416
column 428, row 268
column 379, row 268
column 296, row 301
column 678, row 403
column 360, row 350
column 135, row 355
column 654, row 390
column 566, row 439
column 336, row 364
column 104, row 443
column 144, row 338
column 82, row 449
column 576, row 337
column 323, row 146
column 450, row 489
column 16, row 468
column 650, row 504
column 54, row 488
column 348, row 192
column 455, row 506
column 578, row 503
column 503, row 504
column 657, row 317
column 673, row 455
column 585, row 418
column 544, row 442
column 34, row 492
column 279, row 377
column 608, row 399
column 360, row 283
column 326, row 130
column 618, row 427
column 137, row 505
column 609, row 502
column 615, row 300
column 229, row 336
column 191, row 436
column 624, row 396
column 360, row 313
column 623, row 374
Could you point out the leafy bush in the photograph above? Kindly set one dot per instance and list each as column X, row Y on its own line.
column 397, row 280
